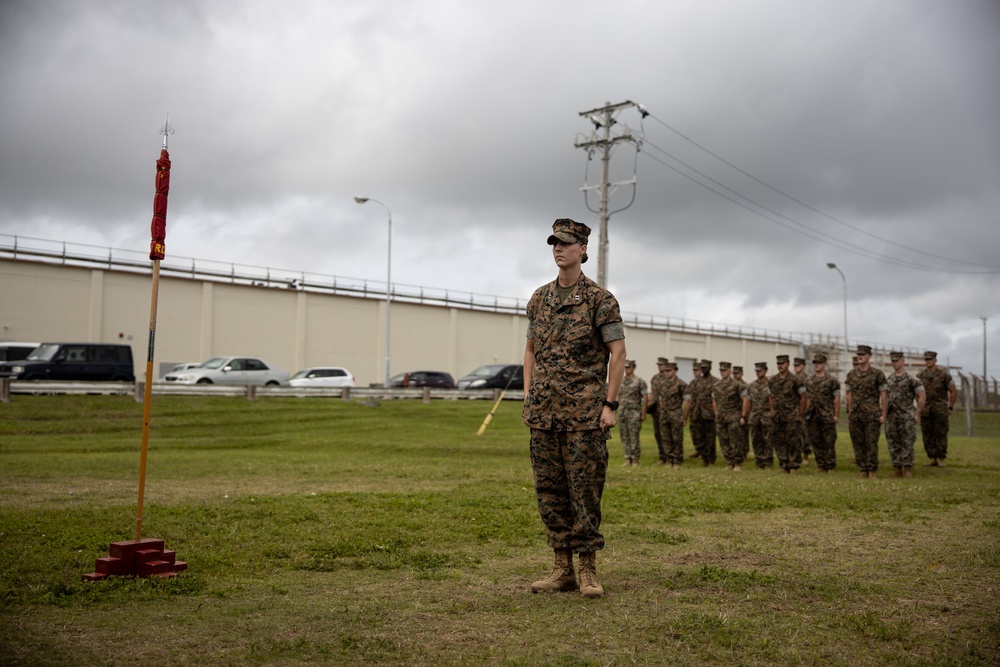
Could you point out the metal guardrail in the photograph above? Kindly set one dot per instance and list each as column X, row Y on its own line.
column 10, row 387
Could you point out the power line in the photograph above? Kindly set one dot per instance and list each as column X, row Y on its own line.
column 814, row 209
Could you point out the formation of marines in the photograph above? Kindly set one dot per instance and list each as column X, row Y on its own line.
column 793, row 415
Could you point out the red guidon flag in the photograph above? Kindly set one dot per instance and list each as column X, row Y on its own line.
column 157, row 247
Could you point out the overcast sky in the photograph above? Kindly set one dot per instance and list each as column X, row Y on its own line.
column 781, row 135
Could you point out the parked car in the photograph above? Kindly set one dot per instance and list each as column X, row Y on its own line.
column 12, row 350
column 438, row 379
column 494, row 376
column 323, row 376
column 73, row 361
column 230, row 370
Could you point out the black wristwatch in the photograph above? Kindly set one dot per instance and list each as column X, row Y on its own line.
column 611, row 404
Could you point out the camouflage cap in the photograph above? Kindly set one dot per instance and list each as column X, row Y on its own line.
column 819, row 358
column 895, row 356
column 569, row 231
column 696, row 365
column 930, row 354
column 864, row 349
column 705, row 363
column 761, row 365
column 799, row 361
column 782, row 358
column 737, row 369
column 630, row 363
column 725, row 365
column 671, row 366
column 662, row 361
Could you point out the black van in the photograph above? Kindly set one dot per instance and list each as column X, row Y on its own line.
column 73, row 361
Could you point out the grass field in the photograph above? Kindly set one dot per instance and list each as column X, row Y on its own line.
column 325, row 532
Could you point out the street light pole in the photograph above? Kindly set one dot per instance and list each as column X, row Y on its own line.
column 847, row 349
column 388, row 283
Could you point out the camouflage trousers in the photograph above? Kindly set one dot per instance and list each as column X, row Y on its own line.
column 900, row 436
column 629, row 424
column 864, row 437
column 672, row 432
column 703, row 437
column 731, row 436
column 658, row 434
column 786, row 439
column 760, row 434
column 806, row 442
column 823, row 440
column 570, row 468
column 934, row 427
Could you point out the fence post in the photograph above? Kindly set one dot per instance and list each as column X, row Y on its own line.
column 427, row 395
column 345, row 393
column 4, row 390
column 140, row 391
column 251, row 392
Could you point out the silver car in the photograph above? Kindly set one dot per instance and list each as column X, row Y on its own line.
column 323, row 376
column 230, row 370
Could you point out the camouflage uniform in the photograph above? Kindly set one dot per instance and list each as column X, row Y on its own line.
column 804, row 441
column 669, row 397
column 630, row 397
column 702, row 417
column 786, row 429
column 760, row 423
column 934, row 418
column 866, row 409
column 823, row 392
column 728, row 396
column 900, row 422
column 563, row 405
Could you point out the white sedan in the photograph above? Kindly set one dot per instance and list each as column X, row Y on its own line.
column 230, row 370
column 323, row 376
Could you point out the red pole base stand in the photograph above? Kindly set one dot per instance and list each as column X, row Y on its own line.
column 145, row 558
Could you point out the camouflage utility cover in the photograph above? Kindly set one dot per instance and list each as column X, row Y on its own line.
column 569, row 379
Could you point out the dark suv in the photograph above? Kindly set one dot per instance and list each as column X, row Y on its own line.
column 73, row 361
column 494, row 376
column 424, row 379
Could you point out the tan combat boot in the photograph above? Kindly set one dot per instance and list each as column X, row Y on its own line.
column 561, row 578
column 908, row 472
column 897, row 472
column 589, row 586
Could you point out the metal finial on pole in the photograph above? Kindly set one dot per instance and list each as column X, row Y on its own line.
column 166, row 130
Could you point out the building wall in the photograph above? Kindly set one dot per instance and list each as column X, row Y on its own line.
column 197, row 319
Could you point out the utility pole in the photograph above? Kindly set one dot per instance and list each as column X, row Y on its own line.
column 603, row 118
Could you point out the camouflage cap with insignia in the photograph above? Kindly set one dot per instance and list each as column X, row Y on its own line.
column 782, row 358
column 725, row 365
column 737, row 369
column 662, row 361
column 761, row 365
column 671, row 366
column 930, row 354
column 569, row 231
column 705, row 363
column 864, row 349
column 799, row 361
column 895, row 356
column 819, row 358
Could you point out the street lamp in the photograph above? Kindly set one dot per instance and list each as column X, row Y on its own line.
column 388, row 283
column 847, row 349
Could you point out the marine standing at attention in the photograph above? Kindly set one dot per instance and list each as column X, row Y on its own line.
column 574, row 362
column 631, row 412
